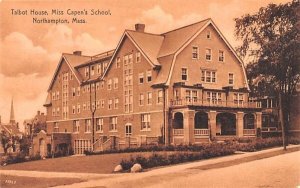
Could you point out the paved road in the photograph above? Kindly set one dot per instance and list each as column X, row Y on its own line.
column 279, row 171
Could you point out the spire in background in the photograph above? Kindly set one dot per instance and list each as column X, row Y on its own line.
column 12, row 113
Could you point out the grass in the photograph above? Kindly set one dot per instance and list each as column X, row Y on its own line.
column 103, row 164
column 8, row 181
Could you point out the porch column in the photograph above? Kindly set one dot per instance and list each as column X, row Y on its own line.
column 258, row 120
column 240, row 124
column 212, row 123
column 188, row 126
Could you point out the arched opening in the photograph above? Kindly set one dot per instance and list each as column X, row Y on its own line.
column 42, row 147
column 226, row 124
column 201, row 120
column 178, row 120
column 249, row 121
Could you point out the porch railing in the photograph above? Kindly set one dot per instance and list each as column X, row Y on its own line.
column 249, row 132
column 178, row 132
column 269, row 129
column 214, row 103
column 201, row 132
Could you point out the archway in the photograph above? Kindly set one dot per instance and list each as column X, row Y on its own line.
column 226, row 124
column 178, row 120
column 201, row 120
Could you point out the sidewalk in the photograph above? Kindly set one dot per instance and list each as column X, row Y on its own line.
column 110, row 179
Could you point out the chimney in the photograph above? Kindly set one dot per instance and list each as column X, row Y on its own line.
column 77, row 52
column 140, row 27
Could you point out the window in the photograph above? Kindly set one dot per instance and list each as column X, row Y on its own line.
column 78, row 108
column 102, row 103
column 88, row 105
column 116, row 103
column 88, row 88
column 99, row 124
column 214, row 97
column 92, row 86
column 53, row 112
column 92, row 70
column 78, row 91
column 87, row 72
column 138, row 57
column 141, row 78
column 110, row 104
column 195, row 52
column 238, row 98
column 116, row 81
column 149, row 76
column 113, row 124
column 56, row 128
column 109, row 84
column 83, row 89
column 128, row 130
column 97, row 86
column 145, row 122
column 73, row 109
column 118, row 62
column 208, row 54
column 188, row 95
column 57, row 111
column 87, row 125
column 208, row 76
column 57, row 95
column 53, row 96
column 149, row 98
column 98, row 104
column 84, row 106
column 160, row 96
column 230, row 78
column 71, row 76
column 76, row 126
column 141, row 99
column 102, row 84
column 73, row 92
column 184, row 74
column 99, row 68
column 128, row 83
column 208, row 35
column 221, row 56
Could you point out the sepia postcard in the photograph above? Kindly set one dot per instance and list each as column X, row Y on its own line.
column 153, row 93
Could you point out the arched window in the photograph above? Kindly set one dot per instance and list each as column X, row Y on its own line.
column 178, row 120
column 201, row 120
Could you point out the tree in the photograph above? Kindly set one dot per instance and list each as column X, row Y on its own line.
column 270, row 39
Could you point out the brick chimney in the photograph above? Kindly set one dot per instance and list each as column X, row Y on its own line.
column 140, row 27
column 77, row 52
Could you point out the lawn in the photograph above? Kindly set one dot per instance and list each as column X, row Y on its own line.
column 103, row 164
column 7, row 181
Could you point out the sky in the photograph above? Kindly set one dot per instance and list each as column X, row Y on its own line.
column 30, row 52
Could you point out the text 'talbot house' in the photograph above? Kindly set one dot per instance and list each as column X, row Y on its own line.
column 183, row 86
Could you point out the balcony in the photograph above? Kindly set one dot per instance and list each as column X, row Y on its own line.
column 212, row 103
column 197, row 132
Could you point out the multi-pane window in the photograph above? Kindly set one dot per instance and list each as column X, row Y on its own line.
column 113, row 124
column 149, row 98
column 195, row 52
column 188, row 95
column 191, row 95
column 56, row 128
column 118, row 62
column 141, row 99
column 73, row 109
column 138, row 57
column 87, row 125
column 116, row 82
column 109, row 104
column 78, row 108
column 208, row 76
column 73, row 92
column 78, row 91
column 92, row 70
column 88, row 105
column 128, row 130
column 208, row 54
column 238, row 98
column 99, row 124
column 109, row 82
column 230, row 78
column 149, row 76
column 76, row 126
column 97, row 86
column 102, row 103
column 221, row 56
column 87, row 71
column 99, row 68
column 98, row 104
column 141, row 78
column 57, row 95
column 84, row 106
column 128, row 83
column 116, row 103
column 145, row 121
column 184, row 74
column 159, row 96
column 57, row 111
column 71, row 76
column 214, row 97
column 53, row 96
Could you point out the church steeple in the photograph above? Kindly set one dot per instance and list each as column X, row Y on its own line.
column 12, row 113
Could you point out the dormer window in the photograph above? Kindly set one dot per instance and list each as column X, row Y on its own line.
column 149, row 76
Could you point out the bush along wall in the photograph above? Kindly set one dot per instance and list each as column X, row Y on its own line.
column 156, row 159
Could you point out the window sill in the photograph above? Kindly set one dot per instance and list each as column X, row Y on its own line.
column 145, row 130
column 114, row 131
column 88, row 132
column 100, row 132
column 75, row 133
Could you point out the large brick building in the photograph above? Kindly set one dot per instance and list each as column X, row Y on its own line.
column 183, row 86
